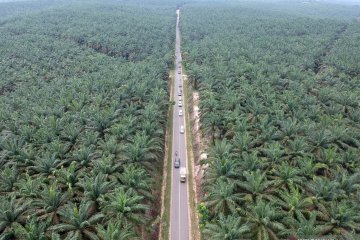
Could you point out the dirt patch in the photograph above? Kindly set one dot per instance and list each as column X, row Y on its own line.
column 199, row 145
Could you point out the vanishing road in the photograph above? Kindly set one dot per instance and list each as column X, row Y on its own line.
column 179, row 210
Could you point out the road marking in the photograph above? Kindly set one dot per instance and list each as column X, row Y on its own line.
column 179, row 214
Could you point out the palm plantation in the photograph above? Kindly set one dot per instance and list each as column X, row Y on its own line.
column 82, row 121
column 278, row 114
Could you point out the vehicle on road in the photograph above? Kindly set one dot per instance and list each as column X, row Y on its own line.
column 182, row 130
column 176, row 153
column 180, row 112
column 180, row 98
column 179, row 93
column 179, row 72
column 182, row 174
column 180, row 85
column 180, row 104
column 177, row 162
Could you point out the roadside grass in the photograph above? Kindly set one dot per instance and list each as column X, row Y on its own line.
column 195, row 231
column 165, row 221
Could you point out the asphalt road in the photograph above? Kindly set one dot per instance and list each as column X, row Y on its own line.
column 179, row 211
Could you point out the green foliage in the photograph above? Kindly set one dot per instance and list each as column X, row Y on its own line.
column 83, row 96
column 115, row 232
column 226, row 228
column 33, row 230
column 203, row 215
column 279, row 86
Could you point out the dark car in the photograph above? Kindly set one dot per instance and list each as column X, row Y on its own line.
column 177, row 163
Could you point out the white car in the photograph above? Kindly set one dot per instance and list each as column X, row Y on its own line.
column 180, row 112
column 179, row 93
column 180, row 98
column 180, row 104
column 182, row 129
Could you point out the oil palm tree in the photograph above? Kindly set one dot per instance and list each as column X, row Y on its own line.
column 294, row 202
column 340, row 217
column 33, row 230
column 275, row 152
column 242, row 142
column 68, row 176
column 323, row 189
column 70, row 133
column 251, row 162
column 120, row 130
column 115, row 231
column 45, row 165
column 225, row 169
column 125, row 206
column 143, row 149
column 286, row 175
column 209, row 104
column 109, row 146
column 94, row 187
column 221, row 150
column 89, row 138
column 211, row 126
column 319, row 138
column 303, row 227
column 222, row 198
column 256, row 186
column 84, row 156
column 106, row 165
column 58, row 148
column 8, row 177
column 29, row 187
column 297, row 147
column 50, row 202
column 12, row 145
column 152, row 128
column 308, row 166
column 265, row 221
column 102, row 120
column 348, row 184
column 11, row 212
column 231, row 227
column 76, row 221
column 289, row 128
column 136, row 179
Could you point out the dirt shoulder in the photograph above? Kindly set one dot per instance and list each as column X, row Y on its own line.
column 197, row 150
column 166, row 180
column 199, row 146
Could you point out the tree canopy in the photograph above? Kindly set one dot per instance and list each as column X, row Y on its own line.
column 84, row 98
column 279, row 107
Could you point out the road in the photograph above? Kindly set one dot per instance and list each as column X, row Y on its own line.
column 179, row 210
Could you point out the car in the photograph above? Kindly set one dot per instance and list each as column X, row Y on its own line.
column 180, row 98
column 179, row 93
column 180, row 104
column 180, row 85
column 182, row 130
column 180, row 112
column 177, row 163
column 179, row 72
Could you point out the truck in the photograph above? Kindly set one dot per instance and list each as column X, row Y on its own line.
column 182, row 174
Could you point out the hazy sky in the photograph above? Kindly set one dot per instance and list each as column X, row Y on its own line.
column 330, row 1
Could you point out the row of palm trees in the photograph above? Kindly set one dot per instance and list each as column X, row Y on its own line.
column 82, row 133
column 283, row 140
column 104, row 170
